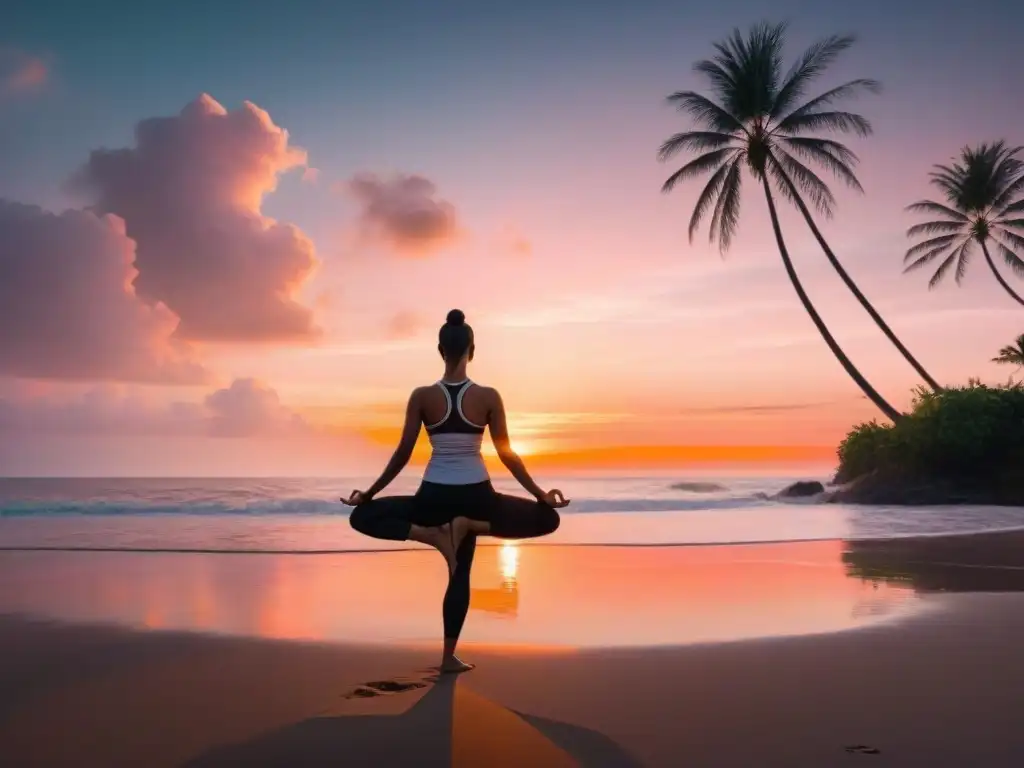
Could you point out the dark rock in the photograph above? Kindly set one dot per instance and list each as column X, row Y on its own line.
column 907, row 490
column 801, row 489
column 698, row 487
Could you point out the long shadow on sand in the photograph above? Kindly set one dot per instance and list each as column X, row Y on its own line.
column 423, row 721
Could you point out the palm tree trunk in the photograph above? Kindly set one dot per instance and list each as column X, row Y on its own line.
column 844, row 361
column 999, row 277
column 852, row 285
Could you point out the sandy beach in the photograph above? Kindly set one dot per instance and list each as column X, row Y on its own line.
column 930, row 676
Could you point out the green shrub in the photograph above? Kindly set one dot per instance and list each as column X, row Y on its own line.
column 965, row 434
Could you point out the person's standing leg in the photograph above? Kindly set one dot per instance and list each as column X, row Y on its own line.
column 456, row 605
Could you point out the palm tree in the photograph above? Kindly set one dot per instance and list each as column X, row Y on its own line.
column 756, row 120
column 1013, row 354
column 984, row 194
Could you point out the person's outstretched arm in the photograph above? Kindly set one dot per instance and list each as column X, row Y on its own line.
column 499, row 436
column 402, row 454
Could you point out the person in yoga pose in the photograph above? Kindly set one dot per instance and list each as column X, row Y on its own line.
column 455, row 502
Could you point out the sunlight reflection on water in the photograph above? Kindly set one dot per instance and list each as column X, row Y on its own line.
column 550, row 596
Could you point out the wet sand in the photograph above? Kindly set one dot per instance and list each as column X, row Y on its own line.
column 942, row 684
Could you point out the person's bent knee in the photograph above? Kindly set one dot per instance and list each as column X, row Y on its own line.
column 359, row 518
column 549, row 520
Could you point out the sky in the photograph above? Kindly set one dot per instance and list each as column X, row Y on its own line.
column 228, row 234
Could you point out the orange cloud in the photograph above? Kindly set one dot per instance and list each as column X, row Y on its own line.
column 190, row 192
column 21, row 72
column 403, row 214
column 67, row 306
column 520, row 246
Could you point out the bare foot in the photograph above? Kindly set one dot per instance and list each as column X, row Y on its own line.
column 454, row 665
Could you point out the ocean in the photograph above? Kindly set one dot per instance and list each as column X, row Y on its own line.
column 304, row 516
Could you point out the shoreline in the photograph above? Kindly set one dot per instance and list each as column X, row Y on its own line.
column 489, row 542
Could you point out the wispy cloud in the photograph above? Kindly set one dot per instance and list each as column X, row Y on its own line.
column 763, row 408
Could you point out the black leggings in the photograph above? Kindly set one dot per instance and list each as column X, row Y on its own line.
column 511, row 517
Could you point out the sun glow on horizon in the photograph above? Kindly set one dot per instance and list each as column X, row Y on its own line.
column 521, row 447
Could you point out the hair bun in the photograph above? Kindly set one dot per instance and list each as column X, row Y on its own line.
column 456, row 317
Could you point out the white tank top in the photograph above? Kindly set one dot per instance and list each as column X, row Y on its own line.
column 455, row 441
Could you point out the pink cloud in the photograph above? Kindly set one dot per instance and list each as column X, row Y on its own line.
column 311, row 175
column 190, row 192
column 67, row 306
column 404, row 325
column 246, row 408
column 403, row 213
column 21, row 72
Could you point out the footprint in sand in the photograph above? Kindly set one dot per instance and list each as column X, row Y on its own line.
column 861, row 749
column 386, row 688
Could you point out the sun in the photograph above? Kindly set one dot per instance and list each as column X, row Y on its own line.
column 521, row 447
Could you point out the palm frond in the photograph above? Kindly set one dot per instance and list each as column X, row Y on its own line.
column 696, row 141
column 845, row 91
column 928, row 206
column 720, row 227
column 1015, row 240
column 730, row 214
column 705, row 112
column 935, row 242
column 811, row 63
column 942, row 270
column 935, row 228
column 1013, row 189
column 831, row 154
column 951, row 185
column 699, row 165
column 836, row 148
column 710, row 192
column 753, row 62
column 963, row 259
column 792, row 175
column 927, row 258
column 717, row 72
column 1013, row 261
column 841, row 122
column 1011, row 223
column 1014, row 207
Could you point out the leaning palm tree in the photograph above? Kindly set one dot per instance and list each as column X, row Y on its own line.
column 984, row 193
column 1013, row 354
column 757, row 121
